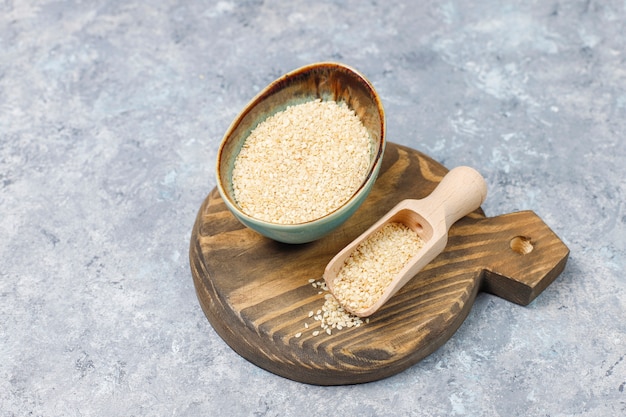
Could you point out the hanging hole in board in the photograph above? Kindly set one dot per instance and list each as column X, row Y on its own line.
column 521, row 245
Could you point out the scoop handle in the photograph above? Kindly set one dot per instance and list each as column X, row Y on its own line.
column 461, row 191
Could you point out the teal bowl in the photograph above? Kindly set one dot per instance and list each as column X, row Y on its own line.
column 325, row 81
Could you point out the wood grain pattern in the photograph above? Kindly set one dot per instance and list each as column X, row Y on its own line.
column 255, row 291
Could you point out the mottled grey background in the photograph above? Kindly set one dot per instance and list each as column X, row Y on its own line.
column 111, row 113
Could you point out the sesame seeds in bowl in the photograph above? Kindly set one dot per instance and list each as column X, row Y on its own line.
column 304, row 154
column 315, row 155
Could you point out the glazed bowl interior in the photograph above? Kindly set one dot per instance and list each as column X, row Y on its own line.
column 325, row 81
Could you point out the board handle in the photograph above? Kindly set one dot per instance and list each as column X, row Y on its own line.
column 521, row 255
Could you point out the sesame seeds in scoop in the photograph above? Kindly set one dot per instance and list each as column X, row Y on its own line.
column 369, row 270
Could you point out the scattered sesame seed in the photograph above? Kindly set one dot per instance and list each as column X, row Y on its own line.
column 331, row 315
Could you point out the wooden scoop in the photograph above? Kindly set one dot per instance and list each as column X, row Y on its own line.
column 459, row 193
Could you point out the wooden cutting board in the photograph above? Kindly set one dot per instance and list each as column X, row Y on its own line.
column 257, row 295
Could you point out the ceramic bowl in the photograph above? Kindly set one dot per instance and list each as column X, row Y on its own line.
column 325, row 81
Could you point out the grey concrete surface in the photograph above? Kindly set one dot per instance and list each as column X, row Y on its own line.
column 111, row 113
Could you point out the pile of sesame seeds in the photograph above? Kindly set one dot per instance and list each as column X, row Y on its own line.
column 331, row 316
column 302, row 163
column 369, row 269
